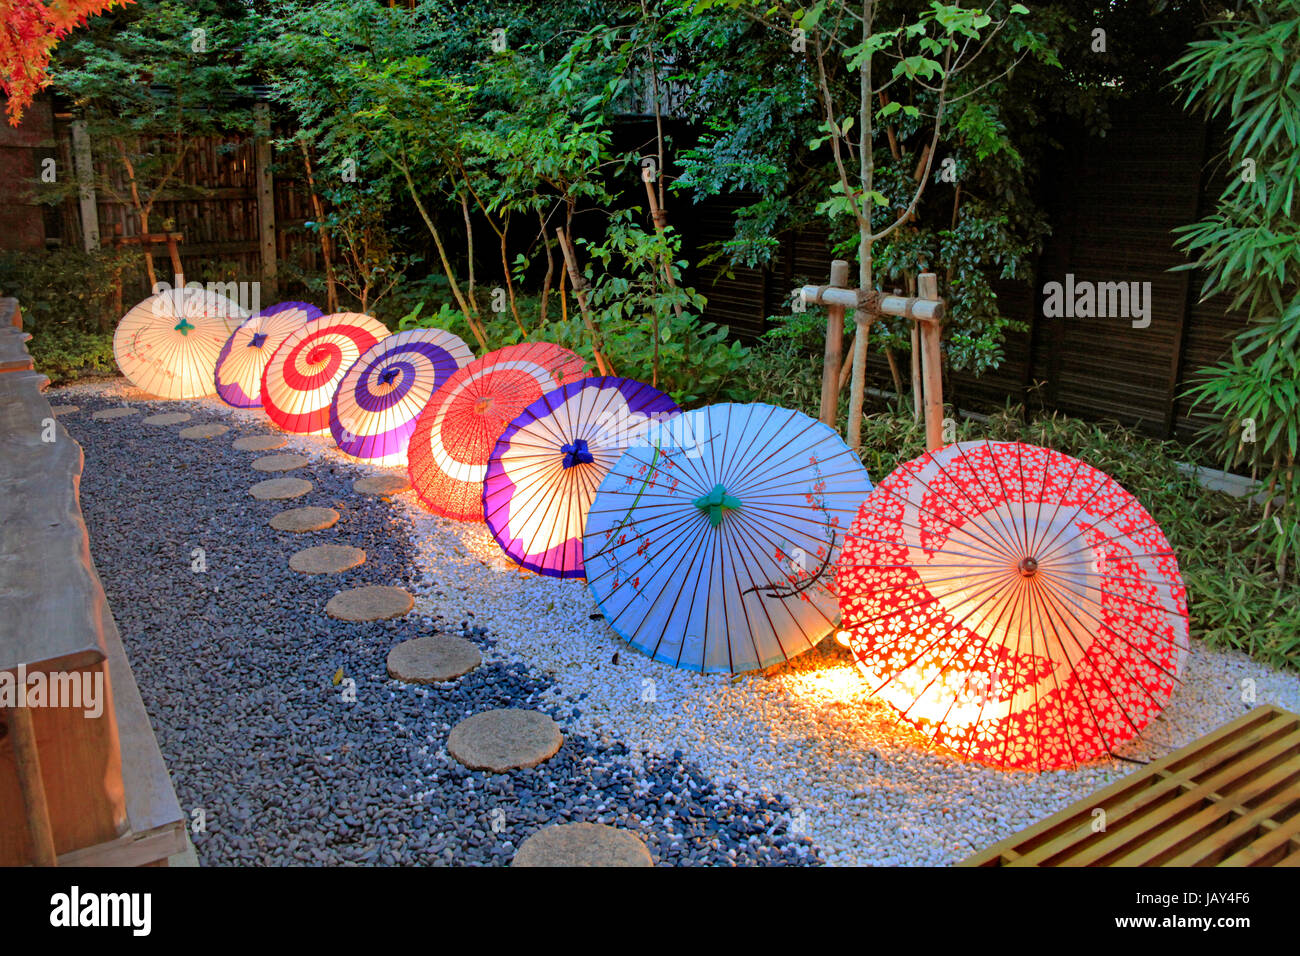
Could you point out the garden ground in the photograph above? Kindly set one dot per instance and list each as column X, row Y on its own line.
column 236, row 666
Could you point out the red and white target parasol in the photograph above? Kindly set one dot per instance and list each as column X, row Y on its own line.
column 299, row 383
column 454, row 437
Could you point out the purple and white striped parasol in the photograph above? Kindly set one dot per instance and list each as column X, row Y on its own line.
column 547, row 465
column 382, row 395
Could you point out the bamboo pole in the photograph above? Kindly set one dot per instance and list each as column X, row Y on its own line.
column 834, row 348
column 927, row 284
column 580, row 293
column 917, row 397
column 28, row 760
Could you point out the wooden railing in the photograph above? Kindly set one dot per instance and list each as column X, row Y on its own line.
column 81, row 778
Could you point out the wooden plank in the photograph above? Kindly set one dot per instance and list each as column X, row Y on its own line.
column 1191, row 806
column 1079, row 815
column 1283, row 837
column 1211, row 819
column 1152, row 824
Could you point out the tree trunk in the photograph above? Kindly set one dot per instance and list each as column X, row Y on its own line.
column 318, row 207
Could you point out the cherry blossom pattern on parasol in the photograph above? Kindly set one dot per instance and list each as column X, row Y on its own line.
column 1014, row 603
column 712, row 546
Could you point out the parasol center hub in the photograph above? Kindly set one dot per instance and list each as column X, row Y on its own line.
column 577, row 453
column 1028, row 566
column 389, row 375
column 482, row 405
column 316, row 355
column 257, row 341
column 716, row 504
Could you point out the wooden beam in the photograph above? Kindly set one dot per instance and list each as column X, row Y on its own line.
column 919, row 308
column 265, row 198
column 834, row 348
column 28, row 759
column 87, row 202
column 927, row 284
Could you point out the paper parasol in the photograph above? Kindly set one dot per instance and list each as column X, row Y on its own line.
column 546, row 467
column 713, row 547
column 304, row 373
column 168, row 344
column 1014, row 603
column 458, row 429
column 381, row 396
column 244, row 356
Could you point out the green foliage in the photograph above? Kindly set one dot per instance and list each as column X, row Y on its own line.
column 651, row 328
column 1249, row 248
column 66, row 296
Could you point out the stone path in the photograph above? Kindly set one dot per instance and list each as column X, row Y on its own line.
column 501, row 740
column 433, row 659
column 304, row 519
column 583, row 844
column 279, row 489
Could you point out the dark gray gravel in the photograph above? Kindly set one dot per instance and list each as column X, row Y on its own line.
column 236, row 665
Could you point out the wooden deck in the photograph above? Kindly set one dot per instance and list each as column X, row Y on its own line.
column 1231, row 798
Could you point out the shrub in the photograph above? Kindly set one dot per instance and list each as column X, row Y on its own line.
column 67, row 300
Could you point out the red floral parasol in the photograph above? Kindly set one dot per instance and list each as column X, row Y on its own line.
column 1014, row 603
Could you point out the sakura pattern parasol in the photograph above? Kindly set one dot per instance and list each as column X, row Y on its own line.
column 456, row 432
column 244, row 356
column 376, row 406
column 1014, row 603
column 302, row 376
column 713, row 545
column 168, row 344
column 546, row 466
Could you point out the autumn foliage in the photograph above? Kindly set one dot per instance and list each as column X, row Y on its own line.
column 28, row 33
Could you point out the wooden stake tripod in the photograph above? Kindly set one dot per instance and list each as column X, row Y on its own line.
column 926, row 310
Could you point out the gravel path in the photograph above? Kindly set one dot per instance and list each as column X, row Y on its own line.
column 236, row 666
column 745, row 770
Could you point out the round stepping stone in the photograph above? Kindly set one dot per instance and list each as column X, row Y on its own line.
column 501, row 740
column 327, row 559
column 277, row 489
column 204, row 431
column 371, row 603
column 305, row 519
column 121, row 412
column 279, row 462
column 582, row 844
column 64, row 409
column 260, row 443
column 432, row 659
column 170, row 418
column 381, row 485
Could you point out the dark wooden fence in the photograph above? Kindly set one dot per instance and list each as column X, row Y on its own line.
column 1112, row 203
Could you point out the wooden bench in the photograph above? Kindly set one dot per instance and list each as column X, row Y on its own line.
column 76, row 786
column 1231, row 798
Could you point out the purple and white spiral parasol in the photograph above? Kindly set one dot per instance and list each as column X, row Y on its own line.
column 382, row 395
